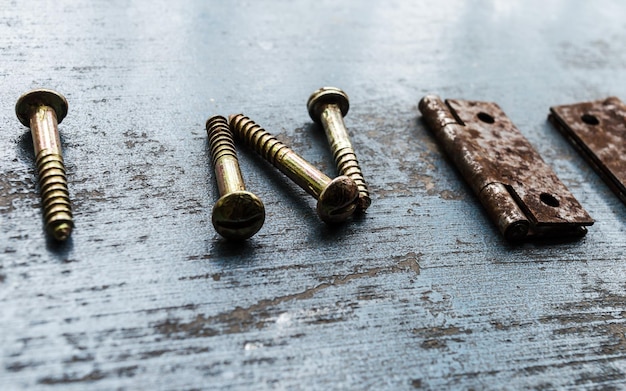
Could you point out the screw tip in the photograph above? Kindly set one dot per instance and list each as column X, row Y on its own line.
column 39, row 97
column 364, row 201
column 62, row 231
column 325, row 96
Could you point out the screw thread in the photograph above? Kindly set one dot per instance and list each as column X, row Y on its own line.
column 54, row 194
column 220, row 139
column 258, row 139
column 341, row 147
column 224, row 156
column 303, row 173
column 347, row 164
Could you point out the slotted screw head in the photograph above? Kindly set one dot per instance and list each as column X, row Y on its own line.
column 40, row 97
column 238, row 215
column 325, row 96
column 336, row 203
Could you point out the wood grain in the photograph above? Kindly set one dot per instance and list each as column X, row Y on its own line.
column 420, row 293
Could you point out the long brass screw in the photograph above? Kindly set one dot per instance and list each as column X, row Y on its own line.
column 238, row 214
column 336, row 198
column 42, row 110
column 327, row 106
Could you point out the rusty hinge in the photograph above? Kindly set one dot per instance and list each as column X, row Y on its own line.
column 521, row 193
column 598, row 130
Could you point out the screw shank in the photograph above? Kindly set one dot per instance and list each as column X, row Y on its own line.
column 312, row 180
column 303, row 173
column 43, row 125
column 335, row 128
column 228, row 175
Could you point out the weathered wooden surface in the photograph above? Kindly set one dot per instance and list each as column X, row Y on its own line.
column 422, row 292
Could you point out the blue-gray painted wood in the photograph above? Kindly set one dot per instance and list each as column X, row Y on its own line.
column 422, row 292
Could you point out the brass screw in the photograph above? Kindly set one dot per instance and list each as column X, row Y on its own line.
column 336, row 198
column 42, row 110
column 327, row 106
column 238, row 214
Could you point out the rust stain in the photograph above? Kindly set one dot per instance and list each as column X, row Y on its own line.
column 598, row 131
column 521, row 193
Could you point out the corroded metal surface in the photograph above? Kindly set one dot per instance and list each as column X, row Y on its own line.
column 519, row 190
column 598, row 130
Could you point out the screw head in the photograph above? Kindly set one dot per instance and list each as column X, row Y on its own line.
column 238, row 215
column 338, row 200
column 325, row 96
column 32, row 99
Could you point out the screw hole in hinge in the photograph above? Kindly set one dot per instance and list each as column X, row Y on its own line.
column 549, row 200
column 589, row 119
column 485, row 117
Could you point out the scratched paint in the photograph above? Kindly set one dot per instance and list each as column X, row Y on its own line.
column 421, row 292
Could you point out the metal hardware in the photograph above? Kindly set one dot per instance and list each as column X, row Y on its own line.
column 327, row 106
column 598, row 130
column 42, row 110
column 336, row 197
column 238, row 214
column 520, row 192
